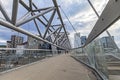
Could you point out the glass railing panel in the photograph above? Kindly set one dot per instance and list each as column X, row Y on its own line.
column 14, row 57
column 94, row 55
column 113, row 50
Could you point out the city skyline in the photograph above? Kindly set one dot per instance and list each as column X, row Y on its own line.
column 83, row 19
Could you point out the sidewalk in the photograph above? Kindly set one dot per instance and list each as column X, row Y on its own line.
column 62, row 67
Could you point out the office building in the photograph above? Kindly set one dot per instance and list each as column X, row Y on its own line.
column 15, row 40
column 107, row 42
column 9, row 44
column 77, row 41
column 83, row 40
column 33, row 43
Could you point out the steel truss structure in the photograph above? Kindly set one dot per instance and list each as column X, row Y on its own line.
column 57, row 32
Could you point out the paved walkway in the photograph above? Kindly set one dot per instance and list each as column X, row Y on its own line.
column 61, row 67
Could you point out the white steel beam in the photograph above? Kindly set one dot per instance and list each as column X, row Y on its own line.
column 27, row 8
column 60, row 36
column 30, row 4
column 108, row 17
column 35, row 16
column 14, row 11
column 57, row 35
column 106, row 30
column 23, row 4
column 41, row 9
column 11, row 26
column 54, row 31
column 49, row 23
column 37, row 28
column 63, row 41
column 24, row 17
column 4, row 12
column 58, row 12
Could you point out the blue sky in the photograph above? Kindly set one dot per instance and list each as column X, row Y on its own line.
column 79, row 12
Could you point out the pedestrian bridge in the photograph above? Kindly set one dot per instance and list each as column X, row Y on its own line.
column 60, row 67
column 46, row 52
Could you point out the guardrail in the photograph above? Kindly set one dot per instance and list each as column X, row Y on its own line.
column 13, row 57
column 104, row 61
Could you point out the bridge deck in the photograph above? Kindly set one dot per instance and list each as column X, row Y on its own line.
column 61, row 67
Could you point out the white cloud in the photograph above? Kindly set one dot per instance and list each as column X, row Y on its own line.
column 67, row 3
column 88, row 17
column 2, row 41
column 99, row 5
column 84, row 18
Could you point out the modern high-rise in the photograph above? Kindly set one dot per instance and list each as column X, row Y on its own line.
column 77, row 41
column 33, row 43
column 107, row 42
column 15, row 40
column 83, row 40
column 9, row 44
